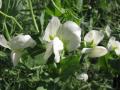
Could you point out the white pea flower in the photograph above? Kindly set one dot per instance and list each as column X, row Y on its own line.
column 17, row 45
column 114, row 45
column 83, row 77
column 0, row 4
column 94, row 37
column 96, row 51
column 59, row 36
column 70, row 33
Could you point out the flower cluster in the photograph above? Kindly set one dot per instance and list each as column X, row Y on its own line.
column 59, row 37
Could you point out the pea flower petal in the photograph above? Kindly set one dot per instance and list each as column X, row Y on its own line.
column 114, row 45
column 3, row 42
column 111, row 43
column 70, row 34
column 57, row 48
column 94, row 36
column 15, row 56
column 82, row 76
column 21, row 42
column 51, row 29
column 49, row 50
column 117, row 50
column 97, row 51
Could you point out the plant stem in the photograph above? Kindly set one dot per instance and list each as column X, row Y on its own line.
column 11, row 17
column 33, row 16
column 59, row 9
column 6, row 31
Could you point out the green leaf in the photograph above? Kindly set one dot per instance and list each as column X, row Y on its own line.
column 69, row 65
column 2, row 54
column 49, row 11
column 103, row 62
column 36, row 61
column 39, row 59
column 58, row 4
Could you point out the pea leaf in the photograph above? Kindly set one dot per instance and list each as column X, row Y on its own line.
column 69, row 65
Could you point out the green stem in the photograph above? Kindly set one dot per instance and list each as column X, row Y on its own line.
column 33, row 16
column 11, row 17
column 60, row 10
column 6, row 31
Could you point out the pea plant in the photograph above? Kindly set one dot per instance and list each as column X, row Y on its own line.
column 59, row 45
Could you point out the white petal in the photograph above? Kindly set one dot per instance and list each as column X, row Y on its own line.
column 15, row 56
column 70, row 33
column 49, row 51
column 21, row 42
column 86, row 50
column 3, row 41
column 82, row 76
column 94, row 36
column 97, row 51
column 108, row 31
column 114, row 45
column 117, row 49
column 111, row 43
column 51, row 29
column 57, row 48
